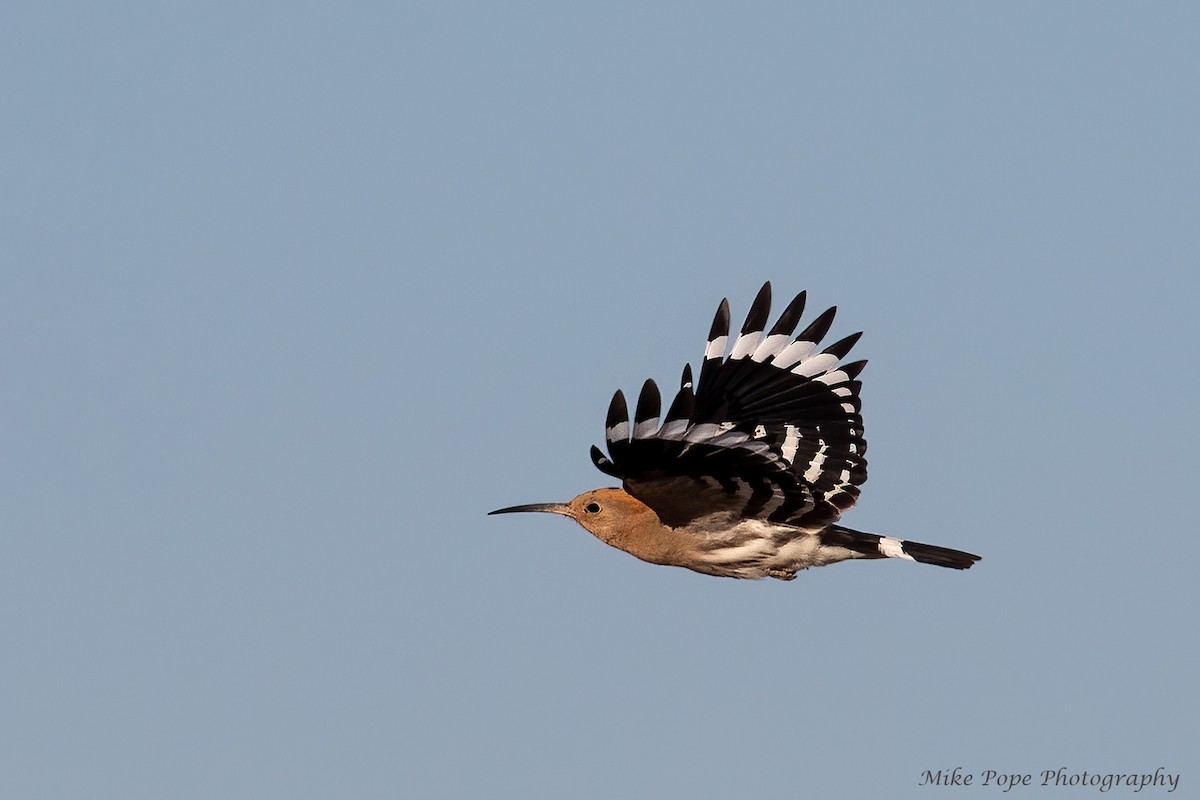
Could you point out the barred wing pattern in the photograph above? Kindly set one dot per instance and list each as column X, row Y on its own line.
column 771, row 432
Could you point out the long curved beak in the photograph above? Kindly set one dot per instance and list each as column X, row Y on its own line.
column 552, row 508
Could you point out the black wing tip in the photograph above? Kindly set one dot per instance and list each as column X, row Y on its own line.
column 686, row 379
column 603, row 463
column 853, row 369
column 649, row 404
column 790, row 317
column 820, row 326
column 842, row 347
column 618, row 409
column 760, row 310
column 683, row 405
column 720, row 323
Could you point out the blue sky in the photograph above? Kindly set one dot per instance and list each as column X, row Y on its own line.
column 291, row 296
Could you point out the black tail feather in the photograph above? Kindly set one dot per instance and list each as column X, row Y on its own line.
column 941, row 556
column 872, row 545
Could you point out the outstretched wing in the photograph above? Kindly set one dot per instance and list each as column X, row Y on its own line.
column 772, row 431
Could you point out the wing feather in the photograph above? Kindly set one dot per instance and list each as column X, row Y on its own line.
column 770, row 431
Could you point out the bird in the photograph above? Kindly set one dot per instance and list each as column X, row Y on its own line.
column 749, row 471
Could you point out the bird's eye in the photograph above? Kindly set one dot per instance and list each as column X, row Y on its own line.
column 592, row 508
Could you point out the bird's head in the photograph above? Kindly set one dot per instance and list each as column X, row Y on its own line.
column 605, row 513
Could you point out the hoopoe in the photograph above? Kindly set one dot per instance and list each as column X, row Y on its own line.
column 753, row 464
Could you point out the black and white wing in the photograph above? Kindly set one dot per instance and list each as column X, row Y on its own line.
column 772, row 431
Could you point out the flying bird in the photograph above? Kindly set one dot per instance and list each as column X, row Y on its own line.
column 749, row 471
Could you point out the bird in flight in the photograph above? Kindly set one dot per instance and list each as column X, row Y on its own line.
column 753, row 464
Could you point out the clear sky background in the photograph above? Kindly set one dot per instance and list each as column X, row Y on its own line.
column 292, row 295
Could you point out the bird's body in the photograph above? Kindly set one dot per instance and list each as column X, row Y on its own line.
column 752, row 465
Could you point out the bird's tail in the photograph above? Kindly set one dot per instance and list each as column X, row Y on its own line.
column 872, row 545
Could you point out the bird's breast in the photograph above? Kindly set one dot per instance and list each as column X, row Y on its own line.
column 758, row 549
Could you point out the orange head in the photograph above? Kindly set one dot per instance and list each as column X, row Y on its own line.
column 611, row 515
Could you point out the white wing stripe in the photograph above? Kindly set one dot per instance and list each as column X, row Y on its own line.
column 770, row 346
column 674, row 429
column 744, row 345
column 791, row 441
column 814, row 469
column 835, row 377
column 701, row 432
column 815, row 365
column 792, row 354
column 716, row 348
column 618, row 432
column 646, row 428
